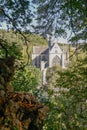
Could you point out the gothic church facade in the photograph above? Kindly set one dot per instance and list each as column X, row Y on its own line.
column 44, row 57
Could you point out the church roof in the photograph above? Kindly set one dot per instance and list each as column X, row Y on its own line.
column 45, row 49
column 39, row 49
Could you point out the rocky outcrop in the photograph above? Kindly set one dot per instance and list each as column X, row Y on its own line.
column 18, row 110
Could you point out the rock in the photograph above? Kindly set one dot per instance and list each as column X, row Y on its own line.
column 18, row 110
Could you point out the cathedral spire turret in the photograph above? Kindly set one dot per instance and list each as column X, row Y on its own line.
column 50, row 41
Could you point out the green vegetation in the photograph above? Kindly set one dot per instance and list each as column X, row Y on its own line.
column 27, row 79
column 16, row 40
column 62, row 18
column 52, row 76
column 13, row 36
column 66, row 96
column 66, row 90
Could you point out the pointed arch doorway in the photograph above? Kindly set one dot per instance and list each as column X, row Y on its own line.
column 56, row 61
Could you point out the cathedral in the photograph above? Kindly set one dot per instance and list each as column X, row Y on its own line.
column 44, row 57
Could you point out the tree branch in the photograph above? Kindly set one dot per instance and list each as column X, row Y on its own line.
column 3, row 47
column 24, row 37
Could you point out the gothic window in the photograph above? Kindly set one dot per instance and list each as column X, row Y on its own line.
column 56, row 51
column 56, row 61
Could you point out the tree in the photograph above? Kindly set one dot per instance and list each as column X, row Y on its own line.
column 52, row 76
column 62, row 17
column 27, row 79
column 7, row 50
column 17, row 14
column 67, row 99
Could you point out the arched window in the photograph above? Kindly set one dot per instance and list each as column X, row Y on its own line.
column 56, row 61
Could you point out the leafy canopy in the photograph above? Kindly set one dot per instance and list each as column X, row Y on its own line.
column 63, row 16
column 17, row 14
column 67, row 97
column 27, row 79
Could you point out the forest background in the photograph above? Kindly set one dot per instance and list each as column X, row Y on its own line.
column 66, row 90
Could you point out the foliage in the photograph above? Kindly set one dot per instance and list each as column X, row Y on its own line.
column 13, row 39
column 76, row 53
column 17, row 14
column 27, row 79
column 12, row 36
column 34, row 40
column 11, row 50
column 52, row 75
column 61, row 17
column 67, row 98
column 27, row 75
